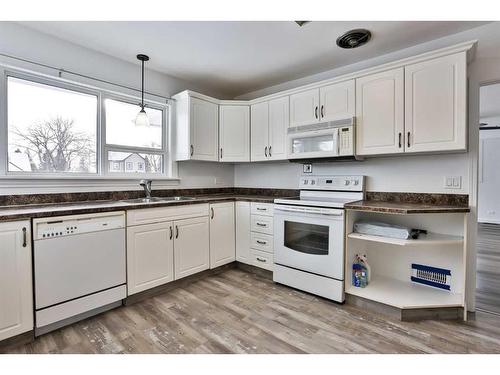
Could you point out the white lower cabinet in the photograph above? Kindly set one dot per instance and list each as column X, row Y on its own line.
column 261, row 235
column 243, row 232
column 222, row 234
column 191, row 246
column 16, row 288
column 150, row 256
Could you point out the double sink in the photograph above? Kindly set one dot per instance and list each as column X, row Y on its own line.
column 159, row 199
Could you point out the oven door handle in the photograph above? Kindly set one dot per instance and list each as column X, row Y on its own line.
column 313, row 211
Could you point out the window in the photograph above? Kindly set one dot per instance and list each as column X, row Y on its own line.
column 141, row 149
column 50, row 129
column 55, row 128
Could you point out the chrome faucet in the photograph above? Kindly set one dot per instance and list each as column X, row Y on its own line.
column 146, row 185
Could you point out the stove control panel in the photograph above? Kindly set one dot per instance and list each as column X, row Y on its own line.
column 340, row 183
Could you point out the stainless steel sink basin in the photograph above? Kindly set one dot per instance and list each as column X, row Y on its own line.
column 158, row 199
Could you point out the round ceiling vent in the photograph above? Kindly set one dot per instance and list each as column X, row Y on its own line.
column 354, row 38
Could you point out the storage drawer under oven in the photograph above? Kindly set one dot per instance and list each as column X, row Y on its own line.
column 261, row 259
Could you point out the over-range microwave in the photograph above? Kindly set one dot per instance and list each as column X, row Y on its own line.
column 332, row 139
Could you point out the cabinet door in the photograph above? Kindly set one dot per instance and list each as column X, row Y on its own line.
column 234, row 133
column 436, row 104
column 337, row 101
column 222, row 234
column 16, row 290
column 279, row 120
column 379, row 113
column 191, row 246
column 150, row 256
column 243, row 232
column 259, row 120
column 304, row 108
column 204, row 130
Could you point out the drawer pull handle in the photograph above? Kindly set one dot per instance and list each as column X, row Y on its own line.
column 261, row 209
column 261, row 225
column 261, row 260
column 192, row 150
column 24, row 237
column 261, row 242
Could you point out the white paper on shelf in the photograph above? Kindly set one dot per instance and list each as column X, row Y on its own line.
column 382, row 229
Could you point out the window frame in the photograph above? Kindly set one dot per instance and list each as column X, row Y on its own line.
column 102, row 172
column 163, row 151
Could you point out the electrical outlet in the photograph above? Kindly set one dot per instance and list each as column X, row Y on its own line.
column 453, row 182
column 307, row 168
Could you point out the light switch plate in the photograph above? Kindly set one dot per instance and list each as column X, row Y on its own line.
column 453, row 182
column 307, row 168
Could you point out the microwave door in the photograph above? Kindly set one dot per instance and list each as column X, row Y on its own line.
column 313, row 144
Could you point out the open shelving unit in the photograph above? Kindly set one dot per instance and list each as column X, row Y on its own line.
column 391, row 259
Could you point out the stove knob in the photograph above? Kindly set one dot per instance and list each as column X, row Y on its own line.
column 313, row 182
column 355, row 182
column 346, row 182
column 305, row 182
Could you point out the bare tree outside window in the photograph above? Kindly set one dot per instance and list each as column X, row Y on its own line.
column 55, row 146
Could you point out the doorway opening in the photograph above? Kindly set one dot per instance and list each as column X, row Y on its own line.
column 488, row 237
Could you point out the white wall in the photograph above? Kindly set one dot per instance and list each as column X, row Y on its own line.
column 23, row 42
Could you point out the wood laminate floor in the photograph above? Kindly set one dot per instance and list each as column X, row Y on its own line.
column 488, row 268
column 240, row 312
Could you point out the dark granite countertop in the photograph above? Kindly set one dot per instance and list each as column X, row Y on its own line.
column 20, row 212
column 404, row 207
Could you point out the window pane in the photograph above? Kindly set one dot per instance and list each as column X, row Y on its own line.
column 133, row 162
column 121, row 129
column 50, row 129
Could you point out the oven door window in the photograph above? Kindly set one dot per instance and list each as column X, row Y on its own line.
column 307, row 238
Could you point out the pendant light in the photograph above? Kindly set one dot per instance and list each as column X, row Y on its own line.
column 142, row 117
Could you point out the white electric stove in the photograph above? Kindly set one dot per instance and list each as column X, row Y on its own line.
column 309, row 234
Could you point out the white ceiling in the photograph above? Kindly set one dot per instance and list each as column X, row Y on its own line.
column 240, row 57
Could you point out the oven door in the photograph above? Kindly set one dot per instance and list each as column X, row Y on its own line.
column 310, row 239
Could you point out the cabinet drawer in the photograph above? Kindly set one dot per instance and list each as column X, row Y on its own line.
column 159, row 214
column 262, row 224
column 262, row 259
column 262, row 242
column 262, row 209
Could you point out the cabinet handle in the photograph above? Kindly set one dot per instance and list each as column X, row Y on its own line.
column 221, row 152
column 316, row 112
column 261, row 209
column 171, row 233
column 322, row 111
column 408, row 139
column 192, row 150
column 24, row 237
column 261, row 242
column 400, row 135
column 212, row 212
column 270, row 151
column 261, row 225
column 265, row 151
column 176, row 231
column 261, row 260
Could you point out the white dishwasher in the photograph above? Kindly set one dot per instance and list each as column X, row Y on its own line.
column 79, row 267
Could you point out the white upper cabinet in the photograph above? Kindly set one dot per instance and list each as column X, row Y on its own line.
column 234, row 133
column 436, row 104
column 337, row 101
column 204, row 130
column 279, row 120
column 304, row 108
column 222, row 234
column 196, row 128
column 259, row 119
column 16, row 290
column 269, row 124
column 380, row 113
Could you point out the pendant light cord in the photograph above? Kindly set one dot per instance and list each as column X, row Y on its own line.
column 142, row 87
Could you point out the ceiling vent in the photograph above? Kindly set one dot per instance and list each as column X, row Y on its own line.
column 354, row 38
